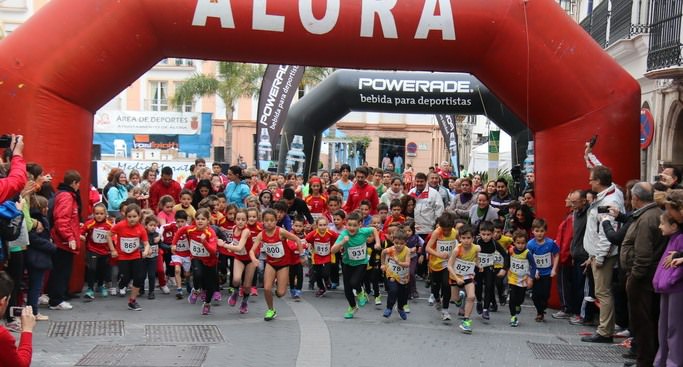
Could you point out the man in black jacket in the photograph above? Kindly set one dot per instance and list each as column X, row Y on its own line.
column 296, row 206
column 581, row 270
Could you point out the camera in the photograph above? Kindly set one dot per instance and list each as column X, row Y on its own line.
column 16, row 311
column 594, row 139
column 603, row 210
column 657, row 178
column 5, row 141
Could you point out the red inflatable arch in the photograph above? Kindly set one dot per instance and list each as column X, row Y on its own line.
column 73, row 56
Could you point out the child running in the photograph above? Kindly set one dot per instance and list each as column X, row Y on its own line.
column 353, row 240
column 130, row 235
column 396, row 265
column 180, row 252
column 98, row 270
column 321, row 240
column 203, row 251
column 296, row 268
column 546, row 255
column 278, row 253
column 150, row 261
column 522, row 265
column 462, row 265
column 243, row 268
column 440, row 246
column 485, row 278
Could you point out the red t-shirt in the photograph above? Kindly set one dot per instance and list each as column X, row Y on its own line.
column 317, row 205
column 129, row 240
column 321, row 246
column 12, row 356
column 278, row 252
column 390, row 220
column 182, row 245
column 243, row 255
column 96, row 236
column 202, row 243
column 295, row 256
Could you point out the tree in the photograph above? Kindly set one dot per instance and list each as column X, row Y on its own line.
column 232, row 81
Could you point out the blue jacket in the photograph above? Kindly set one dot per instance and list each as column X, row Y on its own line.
column 40, row 249
column 115, row 196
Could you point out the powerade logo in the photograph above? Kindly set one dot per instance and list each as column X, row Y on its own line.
column 415, row 86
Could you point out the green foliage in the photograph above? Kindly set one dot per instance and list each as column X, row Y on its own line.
column 501, row 173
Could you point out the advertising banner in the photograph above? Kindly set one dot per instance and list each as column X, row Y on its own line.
column 447, row 124
column 181, row 170
column 147, row 122
column 280, row 84
column 162, row 142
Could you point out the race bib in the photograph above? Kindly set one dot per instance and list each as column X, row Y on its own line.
column 445, row 246
column 153, row 251
column 317, row 216
column 401, row 271
column 357, row 252
column 322, row 248
column 182, row 245
column 241, row 252
column 519, row 266
column 543, row 261
column 485, row 260
column 99, row 235
column 129, row 244
column 198, row 250
column 464, row 268
column 498, row 259
column 275, row 250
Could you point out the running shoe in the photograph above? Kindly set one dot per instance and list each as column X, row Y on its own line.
column 122, row 292
column 206, row 309
column 41, row 317
column 103, row 292
column 254, row 292
column 350, row 311
column 406, row 308
column 403, row 313
column 297, row 295
column 539, row 317
column 292, row 292
column 270, row 314
column 89, row 295
column 244, row 307
column 589, row 299
column 134, row 306
column 216, row 298
column 362, row 299
column 480, row 308
column 334, row 285
column 431, row 300
column 466, row 326
column 45, row 300
column 561, row 315
column 192, row 298
column 151, row 295
column 232, row 300
column 62, row 306
column 387, row 312
column 514, row 321
column 113, row 291
column 445, row 316
column 165, row 290
column 320, row 292
column 378, row 300
column 485, row 315
column 179, row 293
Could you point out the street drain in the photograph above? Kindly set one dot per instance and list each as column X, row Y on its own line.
column 145, row 356
column 85, row 328
column 581, row 353
column 182, row 334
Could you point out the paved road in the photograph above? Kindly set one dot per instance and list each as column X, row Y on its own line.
column 313, row 333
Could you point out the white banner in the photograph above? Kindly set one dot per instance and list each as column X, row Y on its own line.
column 147, row 122
column 181, row 170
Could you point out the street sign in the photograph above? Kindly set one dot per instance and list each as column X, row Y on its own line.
column 647, row 128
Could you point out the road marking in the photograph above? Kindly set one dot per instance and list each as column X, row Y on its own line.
column 315, row 348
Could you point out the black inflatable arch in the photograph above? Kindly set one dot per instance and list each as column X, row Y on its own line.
column 392, row 92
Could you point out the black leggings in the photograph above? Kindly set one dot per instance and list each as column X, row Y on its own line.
column 353, row 277
column 296, row 276
column 541, row 293
column 131, row 269
column 98, row 270
column 440, row 287
column 150, row 266
column 485, row 282
column 321, row 274
column 371, row 280
column 204, row 278
column 517, row 295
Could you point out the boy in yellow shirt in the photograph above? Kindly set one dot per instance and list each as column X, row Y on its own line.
column 396, row 266
column 462, row 266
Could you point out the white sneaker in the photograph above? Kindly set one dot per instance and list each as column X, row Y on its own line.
column 112, row 291
column 62, row 306
column 431, row 300
column 445, row 316
column 43, row 300
column 589, row 299
column 165, row 290
column 122, row 292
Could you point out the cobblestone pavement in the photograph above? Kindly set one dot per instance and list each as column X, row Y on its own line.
column 307, row 333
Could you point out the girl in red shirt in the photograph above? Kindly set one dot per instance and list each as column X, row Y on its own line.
column 130, row 236
column 316, row 201
column 94, row 234
column 239, row 249
column 320, row 242
column 203, row 250
column 278, row 254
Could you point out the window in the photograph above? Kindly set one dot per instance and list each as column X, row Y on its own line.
column 184, row 62
column 184, row 107
column 159, row 100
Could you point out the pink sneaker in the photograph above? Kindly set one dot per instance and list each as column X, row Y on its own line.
column 232, row 301
column 244, row 308
column 217, row 297
column 206, row 309
column 192, row 298
column 254, row 291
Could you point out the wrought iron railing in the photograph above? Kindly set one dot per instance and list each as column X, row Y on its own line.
column 665, row 34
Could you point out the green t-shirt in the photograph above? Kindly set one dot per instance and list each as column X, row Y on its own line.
column 355, row 251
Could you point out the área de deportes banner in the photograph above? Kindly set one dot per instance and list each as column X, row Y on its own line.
column 280, row 84
column 447, row 123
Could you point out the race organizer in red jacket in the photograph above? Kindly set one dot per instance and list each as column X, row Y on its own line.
column 362, row 191
column 16, row 178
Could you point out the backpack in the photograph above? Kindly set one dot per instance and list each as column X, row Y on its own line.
column 11, row 221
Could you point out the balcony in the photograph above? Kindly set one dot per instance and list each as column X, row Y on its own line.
column 664, row 52
column 608, row 25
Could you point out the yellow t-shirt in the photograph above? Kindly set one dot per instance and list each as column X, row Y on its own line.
column 520, row 268
column 400, row 274
column 190, row 211
column 443, row 244
column 465, row 261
